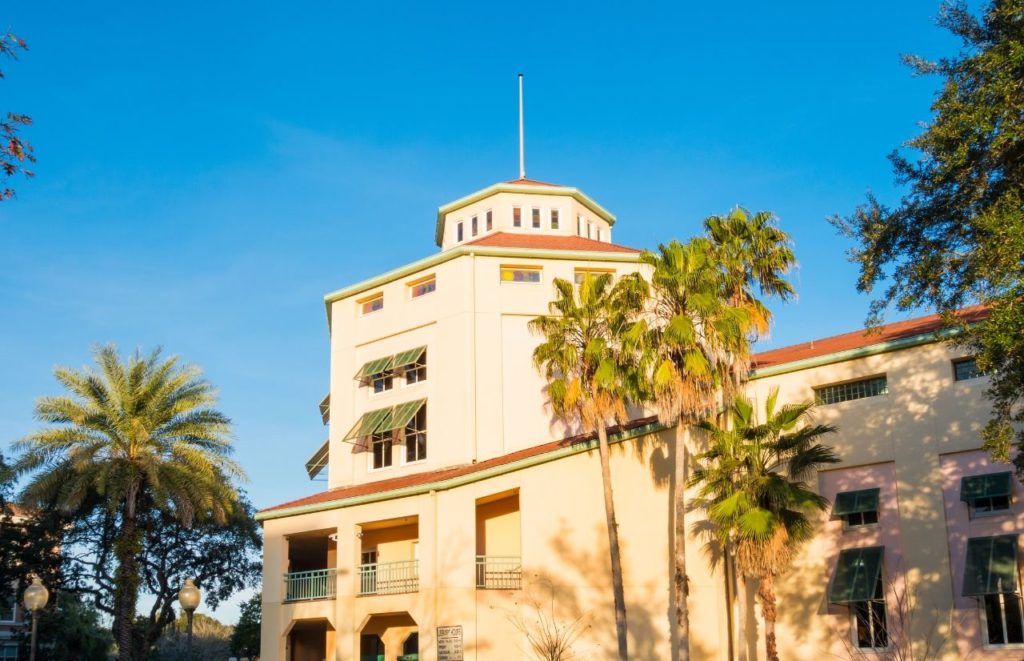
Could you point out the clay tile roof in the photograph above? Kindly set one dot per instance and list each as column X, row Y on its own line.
column 417, row 479
column 862, row 338
column 531, row 182
column 547, row 242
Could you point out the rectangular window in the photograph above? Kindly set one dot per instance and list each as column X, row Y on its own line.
column 519, row 274
column 857, row 519
column 580, row 274
column 422, row 287
column 9, row 652
column 554, row 219
column 987, row 494
column 380, row 444
column 417, row 372
column 490, row 221
column 372, row 304
column 458, row 232
column 965, row 369
column 1004, row 620
column 517, row 217
column 473, row 226
column 600, row 234
column 579, row 225
column 416, row 437
column 7, row 610
column 844, row 392
column 590, row 229
column 857, row 508
column 871, row 632
column 535, row 218
column 382, row 381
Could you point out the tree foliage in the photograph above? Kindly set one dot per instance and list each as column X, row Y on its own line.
column 245, row 639
column 15, row 152
column 70, row 630
column 957, row 235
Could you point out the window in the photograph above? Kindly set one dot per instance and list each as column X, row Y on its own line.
column 590, row 229
column 519, row 274
column 416, row 437
column 870, row 631
column 986, row 495
column 857, row 508
column 458, row 232
column 380, row 445
column 579, row 225
column 991, row 575
column 535, row 218
column 9, row 652
column 965, row 369
column 422, row 287
column 600, row 234
column 580, row 274
column 554, row 219
column 489, row 223
column 473, row 226
column 1003, row 619
column 416, row 372
column 844, row 392
column 8, row 609
column 382, row 381
column 517, row 217
column 372, row 304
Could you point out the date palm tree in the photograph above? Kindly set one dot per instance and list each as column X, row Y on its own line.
column 131, row 434
column 754, row 483
column 591, row 378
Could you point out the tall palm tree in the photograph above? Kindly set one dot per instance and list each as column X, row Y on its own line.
column 590, row 378
column 695, row 337
column 754, row 484
column 133, row 434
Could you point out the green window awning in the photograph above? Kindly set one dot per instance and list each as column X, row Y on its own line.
column 408, row 357
column 992, row 485
column 855, row 502
column 405, row 412
column 375, row 367
column 325, row 408
column 318, row 461
column 857, row 572
column 370, row 422
column 991, row 566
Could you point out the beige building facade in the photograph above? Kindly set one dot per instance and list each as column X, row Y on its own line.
column 460, row 512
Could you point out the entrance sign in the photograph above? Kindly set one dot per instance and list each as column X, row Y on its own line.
column 449, row 643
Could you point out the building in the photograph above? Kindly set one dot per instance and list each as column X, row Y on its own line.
column 12, row 614
column 459, row 509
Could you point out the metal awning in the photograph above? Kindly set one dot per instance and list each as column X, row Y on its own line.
column 408, row 357
column 855, row 502
column 992, row 485
column 370, row 422
column 857, row 572
column 404, row 413
column 375, row 366
column 325, row 408
column 319, row 459
column 991, row 566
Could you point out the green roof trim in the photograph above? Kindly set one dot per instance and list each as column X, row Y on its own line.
column 508, row 187
column 461, row 480
column 375, row 366
column 319, row 459
column 991, row 566
column 408, row 357
column 991, row 485
column 855, row 502
column 857, row 572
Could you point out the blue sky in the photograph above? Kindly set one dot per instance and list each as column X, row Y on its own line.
column 207, row 171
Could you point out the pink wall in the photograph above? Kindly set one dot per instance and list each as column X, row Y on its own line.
column 960, row 527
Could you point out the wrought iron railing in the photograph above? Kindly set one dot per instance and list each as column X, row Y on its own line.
column 499, row 572
column 305, row 585
column 389, row 577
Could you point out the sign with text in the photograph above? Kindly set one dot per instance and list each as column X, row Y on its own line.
column 449, row 643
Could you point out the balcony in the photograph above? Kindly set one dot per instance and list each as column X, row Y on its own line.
column 308, row 585
column 499, row 572
column 389, row 577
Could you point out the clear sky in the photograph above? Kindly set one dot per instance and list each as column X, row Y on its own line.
column 207, row 171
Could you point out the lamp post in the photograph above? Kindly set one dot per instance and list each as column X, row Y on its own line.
column 189, row 598
column 36, row 596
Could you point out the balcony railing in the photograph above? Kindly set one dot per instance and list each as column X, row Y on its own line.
column 305, row 585
column 389, row 577
column 499, row 572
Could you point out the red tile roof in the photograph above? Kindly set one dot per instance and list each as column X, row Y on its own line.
column 447, row 473
column 862, row 338
column 531, row 182
column 547, row 242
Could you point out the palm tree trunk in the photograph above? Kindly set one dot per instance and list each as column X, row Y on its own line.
column 766, row 592
column 126, row 548
column 682, row 587
column 613, row 544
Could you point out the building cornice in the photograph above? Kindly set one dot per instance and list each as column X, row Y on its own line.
column 564, row 191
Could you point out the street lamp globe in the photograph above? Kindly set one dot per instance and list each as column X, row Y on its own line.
column 36, row 595
column 189, row 596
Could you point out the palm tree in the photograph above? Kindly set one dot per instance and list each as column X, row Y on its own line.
column 134, row 434
column 754, row 484
column 590, row 379
column 695, row 337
